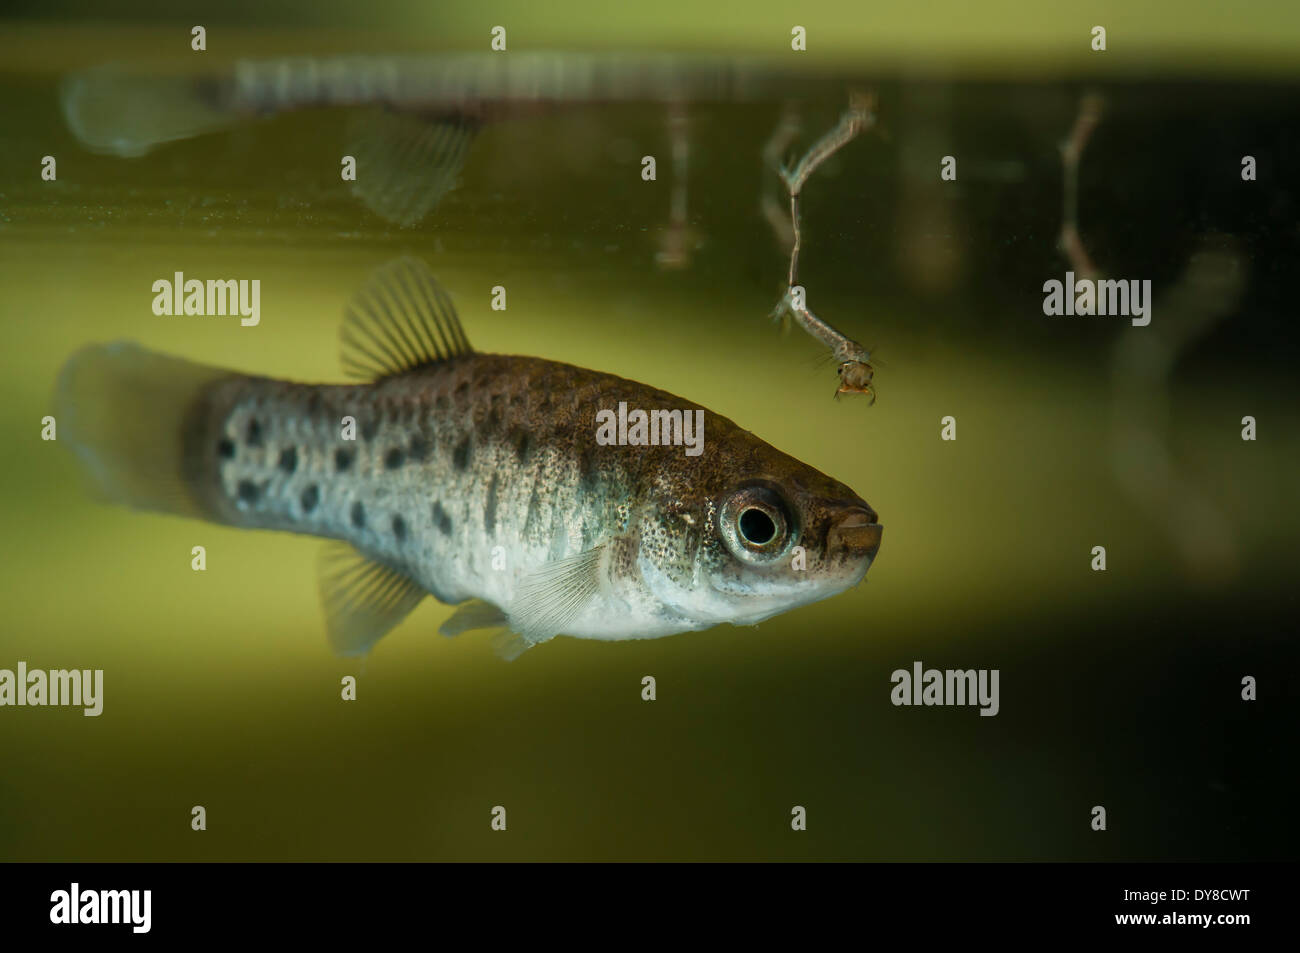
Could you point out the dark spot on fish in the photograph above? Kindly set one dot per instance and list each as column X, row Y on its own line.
column 490, row 507
column 248, row 491
column 225, row 449
column 441, row 519
column 254, row 432
column 289, row 459
column 394, row 458
column 534, row 509
column 314, row 403
column 358, row 515
column 462, row 389
column 420, row 447
column 460, row 456
column 441, row 402
column 587, row 469
column 310, row 497
column 494, row 415
column 343, row 460
column 399, row 528
column 369, row 427
column 523, row 444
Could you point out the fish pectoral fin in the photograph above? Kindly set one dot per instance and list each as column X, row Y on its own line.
column 363, row 599
column 474, row 614
column 552, row 598
column 407, row 162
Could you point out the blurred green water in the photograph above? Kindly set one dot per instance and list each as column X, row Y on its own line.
column 1117, row 688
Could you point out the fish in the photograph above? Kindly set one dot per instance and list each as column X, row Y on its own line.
column 474, row 478
column 412, row 118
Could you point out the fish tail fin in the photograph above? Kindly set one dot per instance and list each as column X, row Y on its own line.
column 116, row 112
column 134, row 419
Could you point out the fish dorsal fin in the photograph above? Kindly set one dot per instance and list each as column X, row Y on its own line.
column 406, row 163
column 363, row 599
column 399, row 321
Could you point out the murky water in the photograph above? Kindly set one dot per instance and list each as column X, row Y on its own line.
column 1120, row 688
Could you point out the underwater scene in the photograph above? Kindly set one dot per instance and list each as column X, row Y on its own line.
column 585, row 432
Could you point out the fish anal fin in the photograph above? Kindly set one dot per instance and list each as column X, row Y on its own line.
column 400, row 320
column 363, row 599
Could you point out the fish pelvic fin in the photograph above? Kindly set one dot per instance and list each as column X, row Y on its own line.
column 474, row 614
column 132, row 418
column 400, row 321
column 477, row 614
column 363, row 599
column 510, row 645
column 406, row 162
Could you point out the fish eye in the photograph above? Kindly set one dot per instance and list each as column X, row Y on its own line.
column 756, row 524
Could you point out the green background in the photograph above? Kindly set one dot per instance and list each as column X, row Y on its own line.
column 1118, row 688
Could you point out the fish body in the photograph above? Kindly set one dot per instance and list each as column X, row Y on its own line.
column 411, row 119
column 126, row 111
column 477, row 478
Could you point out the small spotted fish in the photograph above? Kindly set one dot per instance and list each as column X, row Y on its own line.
column 477, row 478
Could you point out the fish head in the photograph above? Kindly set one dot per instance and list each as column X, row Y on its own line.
column 754, row 533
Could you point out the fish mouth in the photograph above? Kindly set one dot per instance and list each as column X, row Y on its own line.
column 855, row 535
